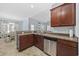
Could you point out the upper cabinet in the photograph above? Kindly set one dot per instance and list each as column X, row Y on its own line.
column 63, row 15
column 55, row 17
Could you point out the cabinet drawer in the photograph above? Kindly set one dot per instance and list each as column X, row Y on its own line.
column 69, row 43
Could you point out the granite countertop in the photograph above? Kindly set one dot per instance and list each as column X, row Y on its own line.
column 75, row 39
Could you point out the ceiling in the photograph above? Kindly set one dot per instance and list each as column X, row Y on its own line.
column 22, row 10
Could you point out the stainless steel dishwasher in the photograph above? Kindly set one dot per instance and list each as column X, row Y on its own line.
column 50, row 47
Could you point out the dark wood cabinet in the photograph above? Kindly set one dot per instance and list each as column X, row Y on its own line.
column 30, row 40
column 55, row 17
column 63, row 15
column 67, row 48
column 39, row 42
column 68, row 15
column 25, row 41
column 63, row 47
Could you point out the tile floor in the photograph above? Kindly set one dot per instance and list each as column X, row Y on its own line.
column 9, row 49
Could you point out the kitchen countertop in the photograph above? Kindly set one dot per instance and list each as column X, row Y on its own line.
column 74, row 39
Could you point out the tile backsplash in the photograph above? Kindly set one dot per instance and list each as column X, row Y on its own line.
column 62, row 29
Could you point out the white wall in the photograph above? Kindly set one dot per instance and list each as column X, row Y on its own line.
column 33, row 22
column 19, row 26
column 25, row 24
column 77, row 20
column 77, row 24
column 42, row 16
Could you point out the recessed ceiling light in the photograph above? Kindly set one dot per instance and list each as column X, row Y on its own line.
column 32, row 6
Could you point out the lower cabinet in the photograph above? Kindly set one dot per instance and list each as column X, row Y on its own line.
column 67, row 48
column 25, row 41
column 51, row 46
column 39, row 41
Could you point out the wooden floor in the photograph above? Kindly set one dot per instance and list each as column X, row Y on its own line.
column 9, row 49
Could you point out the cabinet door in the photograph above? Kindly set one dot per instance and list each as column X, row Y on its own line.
column 39, row 42
column 35, row 40
column 22, row 42
column 68, row 15
column 30, row 40
column 66, row 50
column 55, row 16
column 25, row 41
